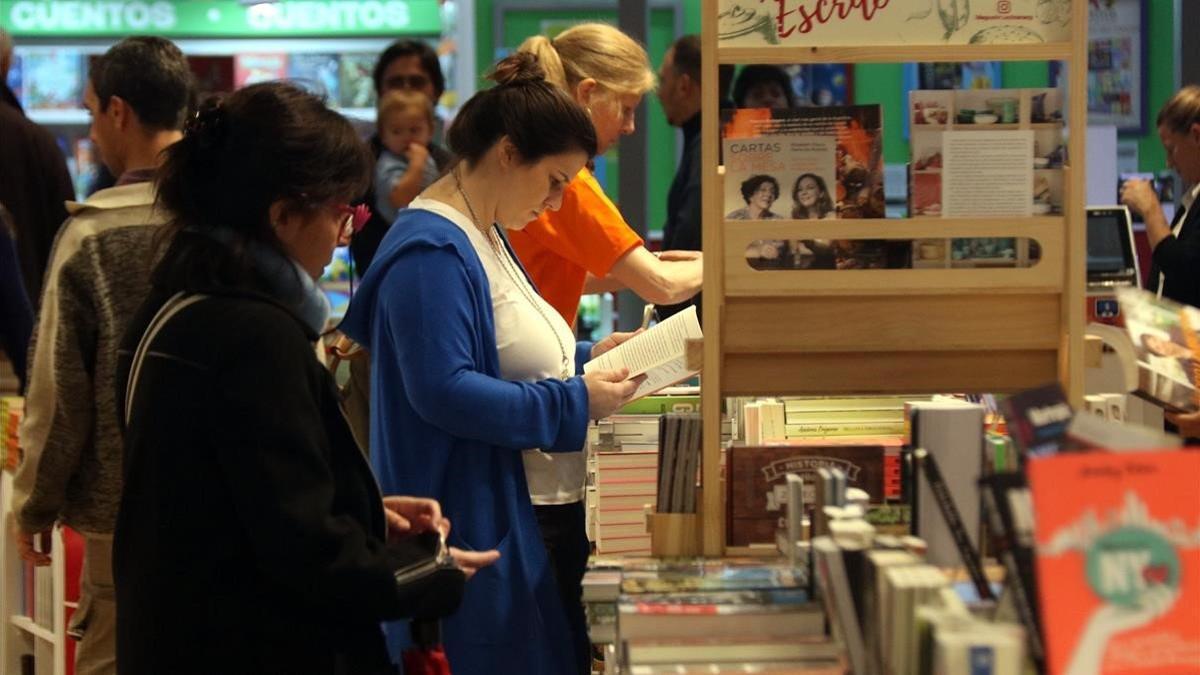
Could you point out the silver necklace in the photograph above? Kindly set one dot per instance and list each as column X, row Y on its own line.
column 514, row 275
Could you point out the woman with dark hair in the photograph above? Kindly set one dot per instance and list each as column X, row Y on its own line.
column 251, row 535
column 810, row 198
column 760, row 192
column 763, row 87
column 471, row 367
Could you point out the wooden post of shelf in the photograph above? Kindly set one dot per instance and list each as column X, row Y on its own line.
column 712, row 522
column 1075, row 202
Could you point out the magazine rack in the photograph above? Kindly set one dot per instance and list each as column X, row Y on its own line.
column 812, row 332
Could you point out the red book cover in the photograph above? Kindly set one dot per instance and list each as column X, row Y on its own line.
column 254, row 68
column 1118, row 561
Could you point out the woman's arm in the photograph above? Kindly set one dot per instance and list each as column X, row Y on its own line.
column 662, row 282
column 427, row 306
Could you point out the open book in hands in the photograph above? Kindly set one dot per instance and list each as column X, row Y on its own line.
column 1163, row 338
column 659, row 353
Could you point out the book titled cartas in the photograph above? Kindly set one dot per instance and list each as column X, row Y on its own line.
column 660, row 354
column 1163, row 335
column 1118, row 561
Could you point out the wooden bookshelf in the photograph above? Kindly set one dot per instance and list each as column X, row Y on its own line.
column 930, row 330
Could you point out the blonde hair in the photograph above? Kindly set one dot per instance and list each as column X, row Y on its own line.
column 1182, row 110
column 617, row 63
column 400, row 101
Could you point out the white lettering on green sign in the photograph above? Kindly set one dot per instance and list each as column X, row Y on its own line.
column 292, row 16
column 130, row 16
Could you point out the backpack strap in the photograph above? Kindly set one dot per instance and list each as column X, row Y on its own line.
column 170, row 308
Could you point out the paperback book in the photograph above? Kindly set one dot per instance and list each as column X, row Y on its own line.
column 1163, row 334
column 756, row 481
column 357, row 87
column 318, row 73
column 251, row 69
column 1118, row 561
column 52, row 80
column 806, row 163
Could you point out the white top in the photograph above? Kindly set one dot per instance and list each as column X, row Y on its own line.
column 529, row 351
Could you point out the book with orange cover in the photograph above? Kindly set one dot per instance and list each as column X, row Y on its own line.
column 1118, row 561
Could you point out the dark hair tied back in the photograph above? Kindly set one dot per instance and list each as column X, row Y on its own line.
column 537, row 117
column 518, row 69
column 209, row 125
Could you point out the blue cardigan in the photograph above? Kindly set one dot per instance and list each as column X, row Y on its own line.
column 444, row 425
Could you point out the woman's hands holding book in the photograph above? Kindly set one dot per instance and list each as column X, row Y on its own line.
column 608, row 390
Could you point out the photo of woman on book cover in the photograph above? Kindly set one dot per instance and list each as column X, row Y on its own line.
column 760, row 192
column 810, row 198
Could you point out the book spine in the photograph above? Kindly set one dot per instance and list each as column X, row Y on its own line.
column 941, row 493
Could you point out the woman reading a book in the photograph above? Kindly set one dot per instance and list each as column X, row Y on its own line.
column 471, row 368
column 251, row 535
column 587, row 247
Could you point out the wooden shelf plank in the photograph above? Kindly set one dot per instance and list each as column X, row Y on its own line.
column 27, row 624
column 894, row 228
column 1047, row 275
column 891, row 324
column 1059, row 51
column 799, row 374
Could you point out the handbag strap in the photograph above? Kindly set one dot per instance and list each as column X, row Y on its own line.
column 170, row 308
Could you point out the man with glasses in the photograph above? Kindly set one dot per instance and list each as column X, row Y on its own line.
column 405, row 65
column 139, row 94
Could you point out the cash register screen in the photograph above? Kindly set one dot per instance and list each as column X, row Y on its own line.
column 1110, row 254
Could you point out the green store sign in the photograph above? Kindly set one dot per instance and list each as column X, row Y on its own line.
column 219, row 18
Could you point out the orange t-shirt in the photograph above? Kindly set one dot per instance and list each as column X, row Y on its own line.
column 586, row 234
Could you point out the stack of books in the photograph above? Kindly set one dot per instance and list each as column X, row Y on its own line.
column 824, row 417
column 710, row 616
column 679, row 439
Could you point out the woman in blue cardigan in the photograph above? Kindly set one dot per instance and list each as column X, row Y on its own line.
column 470, row 366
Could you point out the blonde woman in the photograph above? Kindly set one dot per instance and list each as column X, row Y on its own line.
column 586, row 241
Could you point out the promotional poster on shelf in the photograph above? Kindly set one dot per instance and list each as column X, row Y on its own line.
column 827, row 162
column 810, row 23
column 1118, row 561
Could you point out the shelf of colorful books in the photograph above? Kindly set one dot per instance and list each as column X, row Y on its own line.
column 788, row 55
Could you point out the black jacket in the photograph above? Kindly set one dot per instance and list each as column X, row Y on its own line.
column 34, row 184
column 250, row 537
column 1178, row 260
column 682, row 231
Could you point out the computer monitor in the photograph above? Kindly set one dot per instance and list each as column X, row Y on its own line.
column 1111, row 256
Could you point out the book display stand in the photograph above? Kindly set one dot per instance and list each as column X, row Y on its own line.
column 829, row 332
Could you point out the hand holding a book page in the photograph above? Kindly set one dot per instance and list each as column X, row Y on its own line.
column 660, row 354
column 608, row 390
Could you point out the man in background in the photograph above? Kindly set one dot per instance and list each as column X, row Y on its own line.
column 679, row 92
column 34, row 181
column 406, row 65
column 139, row 94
